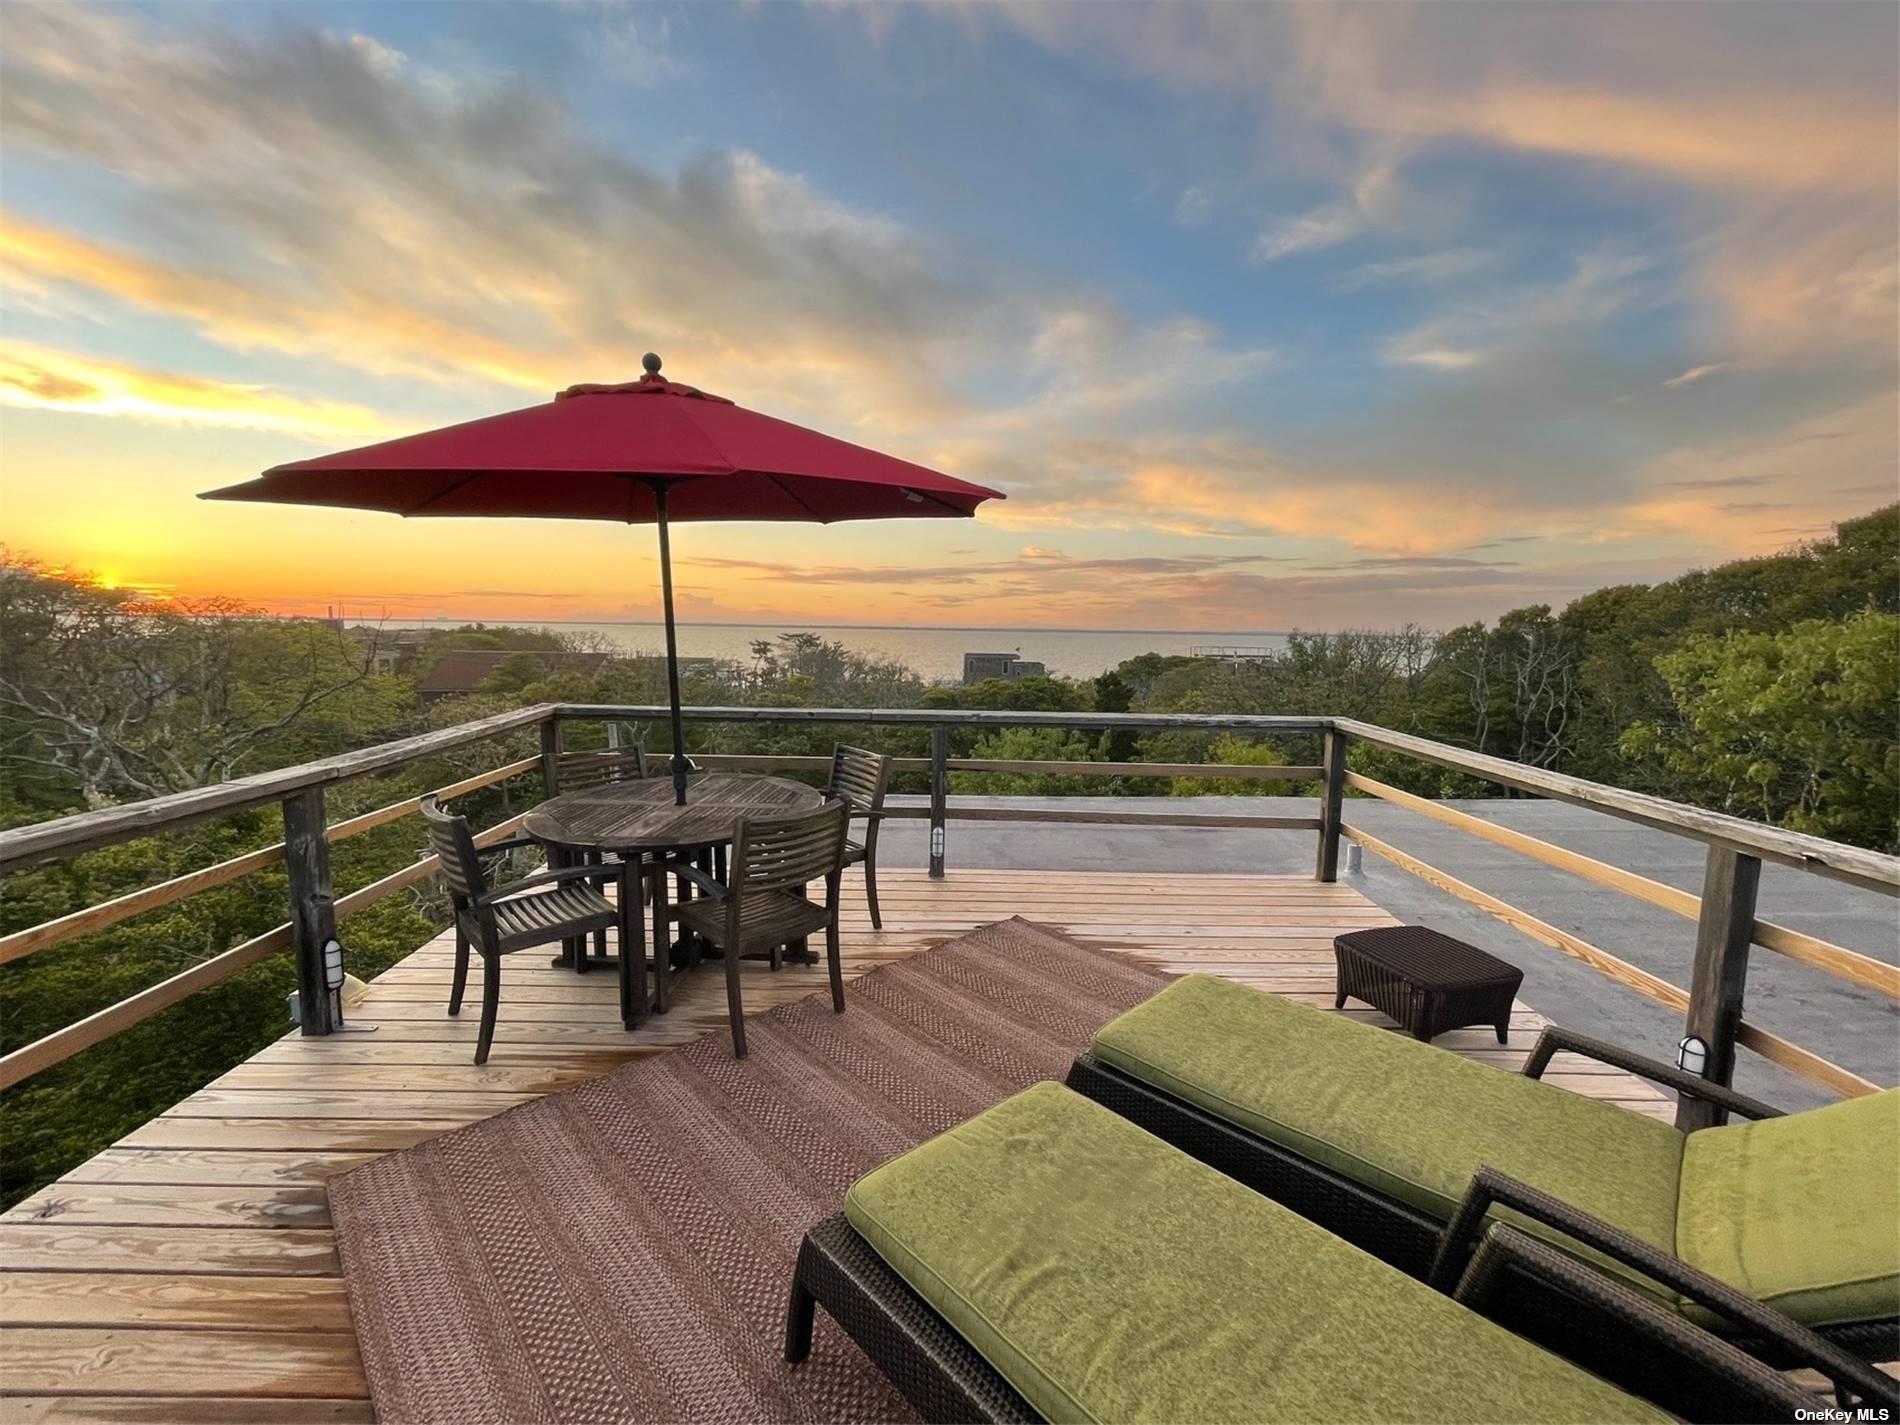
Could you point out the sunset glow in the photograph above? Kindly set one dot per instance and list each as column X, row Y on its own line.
column 1263, row 316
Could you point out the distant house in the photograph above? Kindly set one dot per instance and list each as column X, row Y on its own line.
column 465, row 670
column 387, row 649
column 978, row 667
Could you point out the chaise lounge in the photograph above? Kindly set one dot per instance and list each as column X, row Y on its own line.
column 1400, row 1148
column 1050, row 1260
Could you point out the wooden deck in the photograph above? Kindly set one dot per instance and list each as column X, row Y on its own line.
column 188, row 1273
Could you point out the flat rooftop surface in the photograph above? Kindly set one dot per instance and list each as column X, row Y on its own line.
column 1855, row 1027
column 189, row 1272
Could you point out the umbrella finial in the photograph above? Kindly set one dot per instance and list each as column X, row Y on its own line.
column 650, row 363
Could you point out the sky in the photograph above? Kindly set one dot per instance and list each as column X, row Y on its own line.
column 1262, row 316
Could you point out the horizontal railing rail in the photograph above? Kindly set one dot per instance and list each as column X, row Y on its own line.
column 1724, row 912
column 164, row 893
column 1870, row 869
column 24, row 847
column 953, row 717
column 62, row 1044
column 1810, row 950
column 1231, row 771
column 305, row 848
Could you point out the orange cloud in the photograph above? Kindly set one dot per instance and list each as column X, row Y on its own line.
column 378, row 337
column 1754, row 497
column 1732, row 141
column 52, row 380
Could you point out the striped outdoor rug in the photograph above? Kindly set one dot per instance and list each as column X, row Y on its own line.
column 621, row 1251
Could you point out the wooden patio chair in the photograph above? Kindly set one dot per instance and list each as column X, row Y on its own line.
column 762, row 905
column 578, row 771
column 859, row 779
column 540, row 909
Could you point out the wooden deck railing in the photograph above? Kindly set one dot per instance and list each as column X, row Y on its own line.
column 1712, row 1003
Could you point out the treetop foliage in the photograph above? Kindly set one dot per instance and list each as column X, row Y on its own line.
column 1765, row 687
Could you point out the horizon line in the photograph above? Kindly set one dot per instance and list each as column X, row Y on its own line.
column 794, row 626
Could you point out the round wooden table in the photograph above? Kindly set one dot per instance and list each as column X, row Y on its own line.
column 638, row 818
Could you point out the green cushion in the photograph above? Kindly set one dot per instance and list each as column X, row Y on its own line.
column 1803, row 1211
column 1411, row 1121
column 1110, row 1277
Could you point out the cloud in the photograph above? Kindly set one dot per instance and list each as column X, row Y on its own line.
column 1374, row 197
column 43, row 379
column 485, row 234
column 1829, row 478
column 1726, row 482
column 1467, row 333
column 1428, row 269
column 1763, row 136
column 1423, row 561
column 1412, row 352
column 1045, row 586
column 1030, row 561
column 1323, row 227
column 1697, row 373
column 634, row 46
column 313, row 194
column 1232, row 487
column 281, row 190
column 1194, row 207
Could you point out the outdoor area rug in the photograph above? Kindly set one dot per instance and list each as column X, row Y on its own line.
column 621, row 1251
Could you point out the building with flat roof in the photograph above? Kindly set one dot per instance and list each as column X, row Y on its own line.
column 977, row 667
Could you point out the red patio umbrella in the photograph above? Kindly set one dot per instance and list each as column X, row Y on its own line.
column 644, row 451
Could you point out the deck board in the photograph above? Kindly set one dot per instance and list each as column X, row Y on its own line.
column 189, row 1271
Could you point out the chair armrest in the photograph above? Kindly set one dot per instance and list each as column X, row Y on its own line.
column 513, row 843
column 686, row 871
column 1505, row 1248
column 1491, row 1188
column 1554, row 1039
column 555, row 878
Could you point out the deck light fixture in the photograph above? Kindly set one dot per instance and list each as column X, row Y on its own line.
column 1692, row 1054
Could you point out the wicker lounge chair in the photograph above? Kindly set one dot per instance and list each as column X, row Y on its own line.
column 1384, row 1140
column 1048, row 1260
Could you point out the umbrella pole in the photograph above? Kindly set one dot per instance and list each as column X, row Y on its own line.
column 672, row 647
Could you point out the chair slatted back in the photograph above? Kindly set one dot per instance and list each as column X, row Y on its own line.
column 454, row 845
column 577, row 771
column 859, row 778
column 786, row 852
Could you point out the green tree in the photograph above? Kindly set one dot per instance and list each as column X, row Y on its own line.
column 1235, row 750
column 1015, row 695
column 107, row 696
column 1113, row 695
column 1028, row 744
column 1794, row 728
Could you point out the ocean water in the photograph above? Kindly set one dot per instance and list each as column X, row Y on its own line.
column 936, row 654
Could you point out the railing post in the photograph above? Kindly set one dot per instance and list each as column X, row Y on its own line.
column 312, row 910
column 1332, row 788
column 939, row 791
column 1723, row 933
column 550, row 757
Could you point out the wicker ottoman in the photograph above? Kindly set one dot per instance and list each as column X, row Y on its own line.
column 1427, row 981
